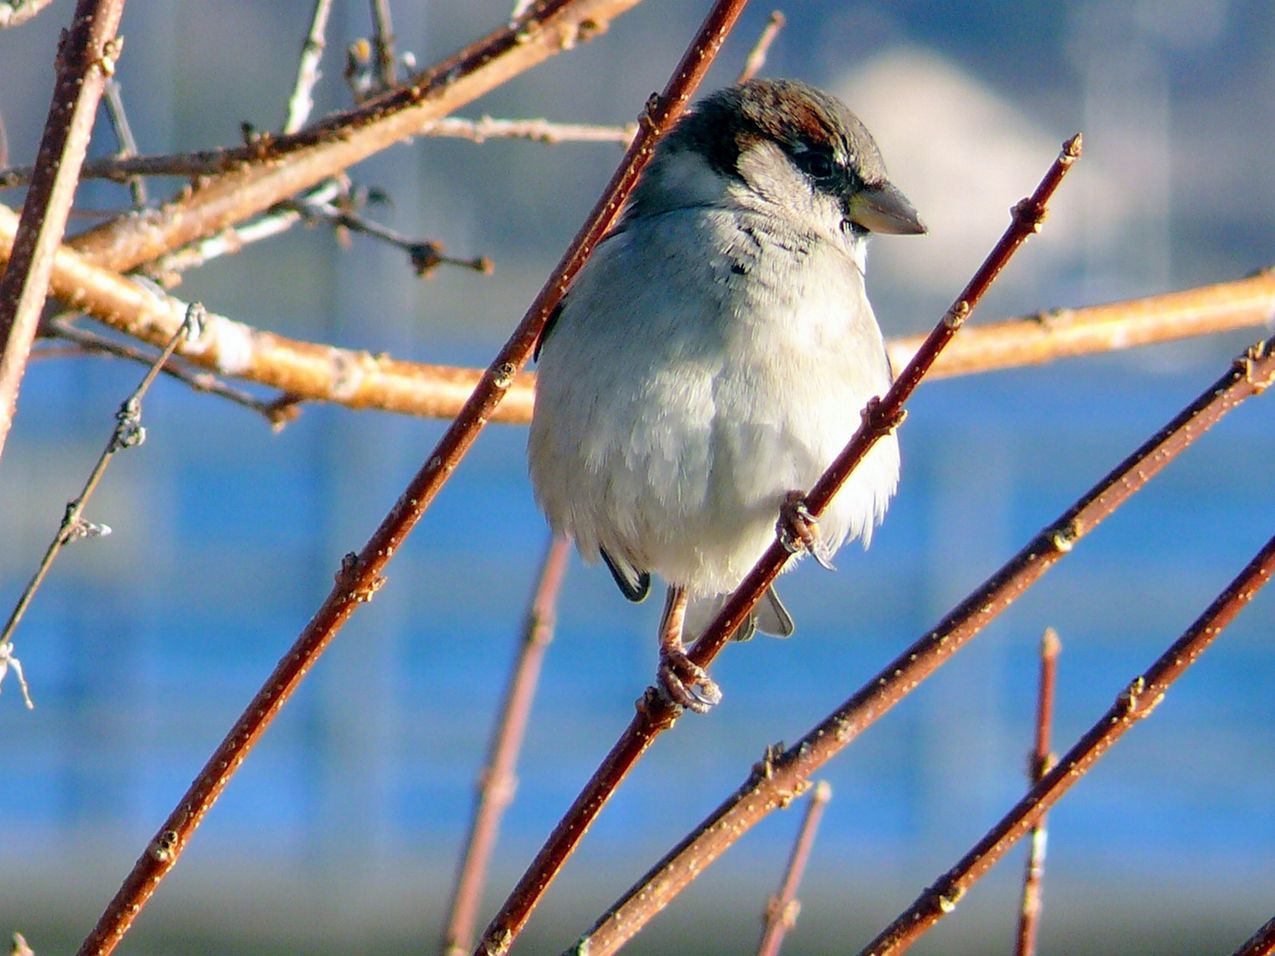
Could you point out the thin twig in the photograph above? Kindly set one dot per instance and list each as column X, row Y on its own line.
column 123, row 136
column 128, row 433
column 86, row 57
column 497, row 781
column 1261, row 943
column 278, row 411
column 383, row 43
column 274, row 168
column 301, row 102
column 1133, row 704
column 656, row 713
column 757, row 56
column 778, row 778
column 425, row 255
column 360, row 576
column 1042, row 761
column 783, row 908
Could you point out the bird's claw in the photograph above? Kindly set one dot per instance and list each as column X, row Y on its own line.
column 686, row 683
column 798, row 529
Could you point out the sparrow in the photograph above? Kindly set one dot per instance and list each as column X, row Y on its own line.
column 713, row 357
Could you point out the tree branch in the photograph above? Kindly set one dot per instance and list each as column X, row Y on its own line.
column 86, row 58
column 271, row 169
column 777, row 779
column 656, row 713
column 1135, row 703
column 360, row 575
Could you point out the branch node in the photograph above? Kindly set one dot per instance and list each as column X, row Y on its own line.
column 955, row 317
column 1031, row 214
column 1250, row 359
column 947, row 900
column 348, row 580
column 1071, row 150
column 164, row 846
column 1127, row 702
column 129, row 432
column 658, row 711
column 877, row 421
column 503, row 376
column 1064, row 536
column 111, row 51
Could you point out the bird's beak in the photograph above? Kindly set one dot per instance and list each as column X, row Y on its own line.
column 885, row 209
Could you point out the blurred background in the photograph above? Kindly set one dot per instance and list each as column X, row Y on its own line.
column 340, row 833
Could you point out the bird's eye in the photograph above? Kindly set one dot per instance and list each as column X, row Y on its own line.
column 816, row 164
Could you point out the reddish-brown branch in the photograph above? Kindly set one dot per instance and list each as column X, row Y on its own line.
column 497, row 780
column 1041, row 762
column 86, row 58
column 1136, row 702
column 360, row 575
column 655, row 712
column 271, row 169
column 777, row 779
column 782, row 910
column 883, row 416
column 1261, row 943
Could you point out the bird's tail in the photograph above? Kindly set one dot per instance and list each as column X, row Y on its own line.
column 769, row 616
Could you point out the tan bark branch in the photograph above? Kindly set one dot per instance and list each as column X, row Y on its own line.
column 272, row 169
column 312, row 371
column 1102, row 328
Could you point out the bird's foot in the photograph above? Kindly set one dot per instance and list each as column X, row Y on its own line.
column 686, row 683
column 798, row 529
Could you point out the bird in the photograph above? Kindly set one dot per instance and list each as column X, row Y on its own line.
column 713, row 356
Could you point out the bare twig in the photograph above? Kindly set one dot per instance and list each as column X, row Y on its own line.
column 1042, row 761
column 757, row 56
column 497, row 781
column 783, row 908
column 536, row 130
column 128, row 433
column 1261, row 943
column 273, row 169
column 1133, row 704
column 213, row 161
column 278, row 412
column 383, row 43
column 86, row 57
column 656, row 713
column 425, row 255
column 20, row 11
column 123, row 136
column 301, row 102
column 778, row 778
column 360, row 575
